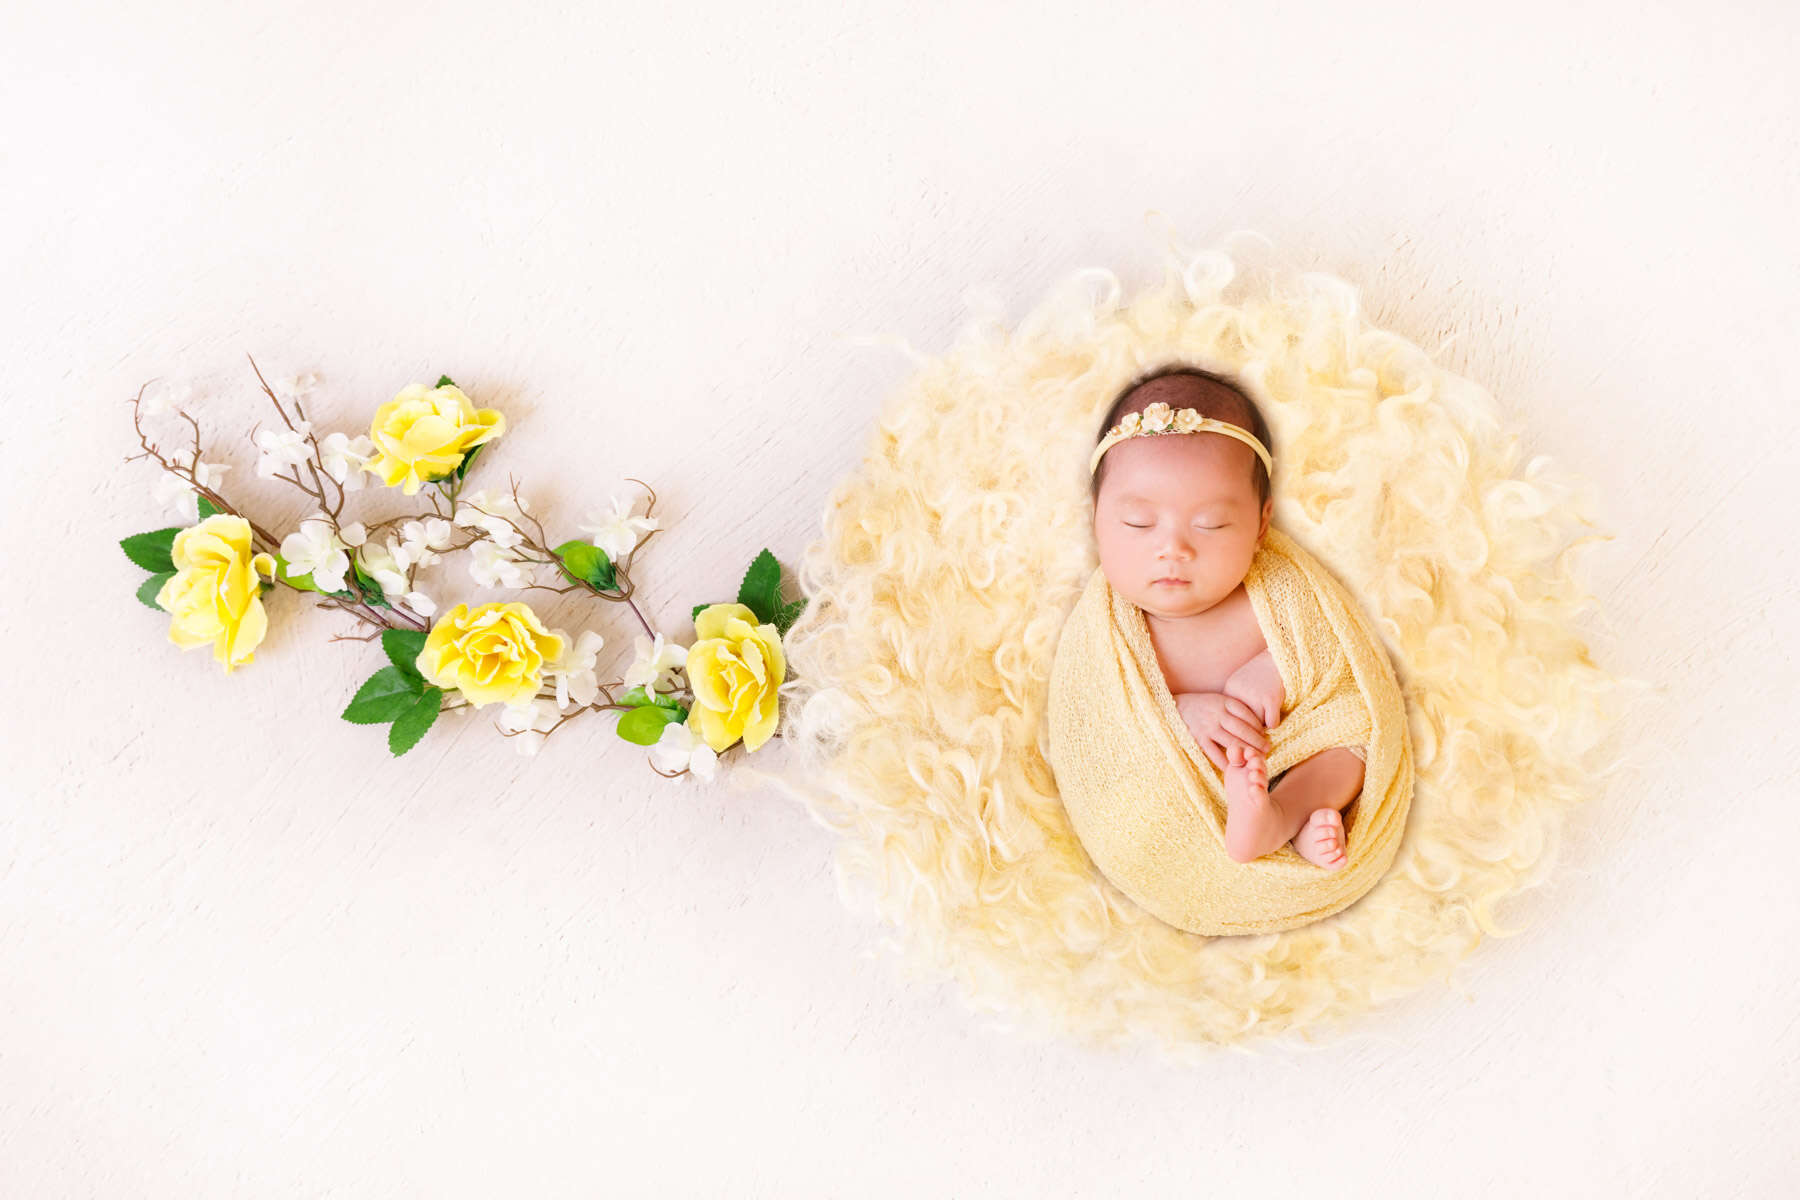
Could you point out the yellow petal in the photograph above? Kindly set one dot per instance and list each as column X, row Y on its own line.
column 762, row 728
column 249, row 633
column 713, row 619
column 776, row 656
column 750, row 653
column 428, row 434
column 712, row 729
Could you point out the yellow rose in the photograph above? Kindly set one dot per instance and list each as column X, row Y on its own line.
column 494, row 652
column 215, row 594
column 735, row 667
column 423, row 433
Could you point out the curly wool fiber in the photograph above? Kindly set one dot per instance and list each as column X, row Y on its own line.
column 951, row 557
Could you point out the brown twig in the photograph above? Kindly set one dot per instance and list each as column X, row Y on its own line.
column 315, row 463
column 186, row 473
column 540, row 545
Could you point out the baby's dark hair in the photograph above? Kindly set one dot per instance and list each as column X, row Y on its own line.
column 1208, row 393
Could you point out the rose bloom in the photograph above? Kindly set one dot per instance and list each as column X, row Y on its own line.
column 492, row 653
column 423, row 433
column 735, row 667
column 215, row 595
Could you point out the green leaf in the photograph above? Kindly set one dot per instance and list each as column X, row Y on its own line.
column 384, row 696
column 403, row 647
column 784, row 620
column 204, row 506
column 150, row 587
column 643, row 726
column 462, row 468
column 152, row 551
column 761, row 590
column 411, row 725
column 372, row 593
column 445, row 381
column 584, row 562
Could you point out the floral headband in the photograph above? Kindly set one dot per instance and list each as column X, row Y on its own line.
column 1159, row 418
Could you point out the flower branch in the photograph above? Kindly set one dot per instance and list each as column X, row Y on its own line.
column 686, row 703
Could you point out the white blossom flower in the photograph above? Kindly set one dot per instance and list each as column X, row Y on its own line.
column 175, row 494
column 678, row 749
column 422, row 540
column 354, row 534
column 345, row 459
column 316, row 548
column 494, row 566
column 386, row 564
column 529, row 723
column 160, row 397
column 574, row 670
column 494, row 513
column 297, row 387
column 282, row 448
column 207, row 475
column 655, row 663
column 618, row 532
column 381, row 561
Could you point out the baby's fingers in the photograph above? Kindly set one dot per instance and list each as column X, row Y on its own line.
column 1249, row 732
column 1243, row 712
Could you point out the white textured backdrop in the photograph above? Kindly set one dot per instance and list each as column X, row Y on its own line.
column 243, row 952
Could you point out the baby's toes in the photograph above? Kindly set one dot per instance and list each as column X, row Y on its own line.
column 1334, row 835
column 1327, row 828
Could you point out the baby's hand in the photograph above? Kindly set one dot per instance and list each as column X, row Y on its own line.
column 1258, row 684
column 1226, row 729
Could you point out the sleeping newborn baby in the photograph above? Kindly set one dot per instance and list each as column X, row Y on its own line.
column 1178, row 520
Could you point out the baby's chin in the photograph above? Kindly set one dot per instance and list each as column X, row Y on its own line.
column 1186, row 600
column 1172, row 603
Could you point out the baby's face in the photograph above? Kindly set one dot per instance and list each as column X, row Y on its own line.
column 1179, row 506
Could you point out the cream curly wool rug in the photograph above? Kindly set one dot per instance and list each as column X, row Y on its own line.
column 951, row 558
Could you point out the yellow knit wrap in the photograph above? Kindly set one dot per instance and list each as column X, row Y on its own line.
column 1149, row 806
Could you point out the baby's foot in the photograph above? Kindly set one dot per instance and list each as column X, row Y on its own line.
column 1251, row 821
column 1321, row 840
